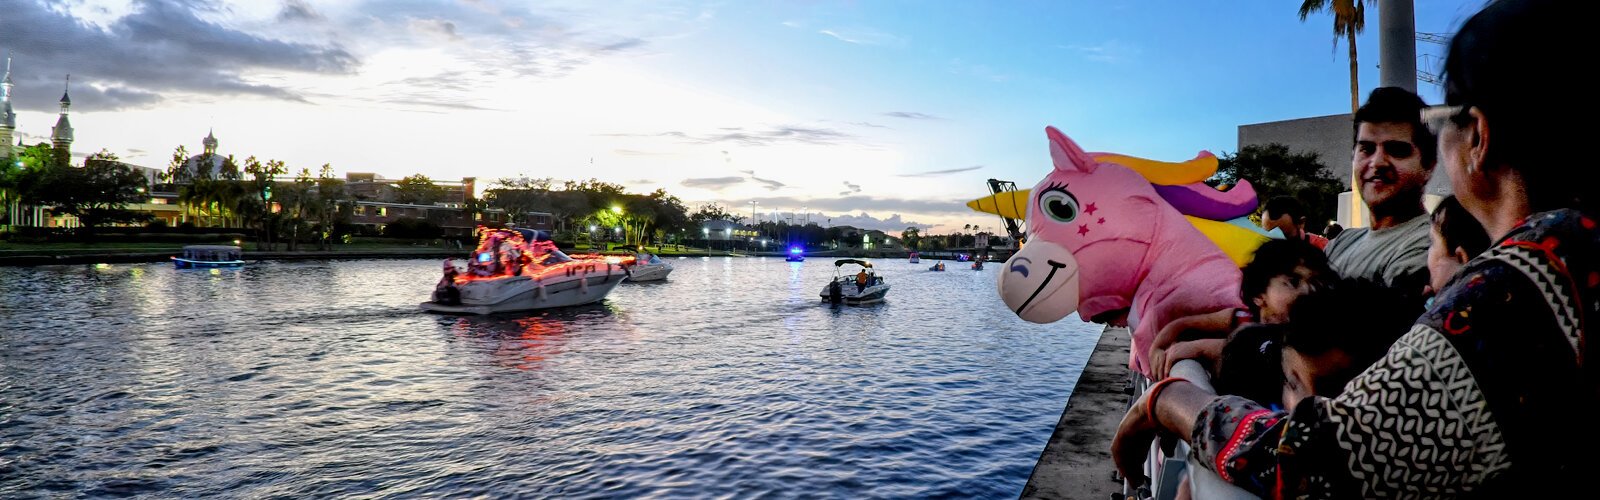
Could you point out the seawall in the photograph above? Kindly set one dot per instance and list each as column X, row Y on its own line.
column 1076, row 463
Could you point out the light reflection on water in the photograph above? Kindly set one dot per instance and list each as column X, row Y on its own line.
column 322, row 378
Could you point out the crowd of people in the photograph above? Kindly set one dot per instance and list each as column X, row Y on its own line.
column 1427, row 355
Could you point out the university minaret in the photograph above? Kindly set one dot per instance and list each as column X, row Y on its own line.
column 61, row 134
column 8, row 118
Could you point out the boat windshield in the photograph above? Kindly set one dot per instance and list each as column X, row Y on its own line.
column 555, row 257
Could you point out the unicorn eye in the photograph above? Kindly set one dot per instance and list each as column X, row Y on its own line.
column 1059, row 204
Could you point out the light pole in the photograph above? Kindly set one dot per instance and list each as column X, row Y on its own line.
column 753, row 220
column 706, row 231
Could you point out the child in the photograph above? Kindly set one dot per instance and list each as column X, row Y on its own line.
column 1335, row 333
column 1251, row 364
column 1457, row 238
column 1280, row 271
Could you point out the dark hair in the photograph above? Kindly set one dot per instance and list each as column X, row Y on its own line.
column 1277, row 258
column 1284, row 205
column 1398, row 105
column 1358, row 317
column 1507, row 61
column 1251, row 364
column 1459, row 228
column 1333, row 231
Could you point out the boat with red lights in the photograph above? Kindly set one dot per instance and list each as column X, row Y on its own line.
column 522, row 270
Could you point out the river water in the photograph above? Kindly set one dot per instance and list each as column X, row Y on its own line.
column 305, row 379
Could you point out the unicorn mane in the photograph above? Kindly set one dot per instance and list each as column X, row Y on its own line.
column 1222, row 216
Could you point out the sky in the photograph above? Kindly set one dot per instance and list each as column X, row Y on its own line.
column 879, row 114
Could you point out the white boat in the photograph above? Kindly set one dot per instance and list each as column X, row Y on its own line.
column 645, row 266
column 863, row 287
column 915, row 259
column 526, row 277
column 202, row 256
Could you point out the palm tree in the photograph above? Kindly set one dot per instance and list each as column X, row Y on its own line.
column 1349, row 17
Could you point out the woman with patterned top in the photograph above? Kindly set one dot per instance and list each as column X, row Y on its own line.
column 1488, row 394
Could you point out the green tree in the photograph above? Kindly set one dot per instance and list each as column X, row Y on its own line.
column 328, row 211
column 97, row 193
column 417, row 189
column 912, row 237
column 1276, row 171
column 1349, row 18
column 712, row 211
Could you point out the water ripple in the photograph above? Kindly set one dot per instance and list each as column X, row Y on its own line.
column 323, row 379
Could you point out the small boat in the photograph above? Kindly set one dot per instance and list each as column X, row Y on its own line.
column 522, row 270
column 937, row 266
column 914, row 259
column 644, row 266
column 863, row 287
column 977, row 265
column 202, row 256
column 795, row 255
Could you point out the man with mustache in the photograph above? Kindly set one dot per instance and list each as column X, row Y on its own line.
column 1394, row 157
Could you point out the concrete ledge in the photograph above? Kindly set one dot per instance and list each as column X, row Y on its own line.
column 1076, row 463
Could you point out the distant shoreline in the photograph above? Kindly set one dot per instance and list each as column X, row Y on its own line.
column 48, row 257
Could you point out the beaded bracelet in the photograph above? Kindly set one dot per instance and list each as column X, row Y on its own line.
column 1155, row 391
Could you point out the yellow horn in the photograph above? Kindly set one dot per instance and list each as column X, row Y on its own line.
column 1010, row 204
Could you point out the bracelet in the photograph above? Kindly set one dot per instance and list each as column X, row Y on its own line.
column 1155, row 391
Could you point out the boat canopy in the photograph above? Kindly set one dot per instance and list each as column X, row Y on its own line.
column 842, row 262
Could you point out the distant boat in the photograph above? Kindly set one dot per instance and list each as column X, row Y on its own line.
column 863, row 287
column 795, row 255
column 915, row 259
column 204, row 256
column 937, row 266
column 643, row 265
column 507, row 272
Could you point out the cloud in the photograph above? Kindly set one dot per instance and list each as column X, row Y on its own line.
column 911, row 115
column 1111, row 51
column 436, row 27
column 850, row 189
column 634, row 152
column 748, row 172
column 935, row 173
column 770, row 184
column 793, row 24
column 864, row 203
column 892, row 225
column 712, row 183
column 864, row 36
column 298, row 11
column 641, row 181
column 161, row 46
column 868, row 124
column 983, row 71
column 788, row 134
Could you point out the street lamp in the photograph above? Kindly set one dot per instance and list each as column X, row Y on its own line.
column 616, row 209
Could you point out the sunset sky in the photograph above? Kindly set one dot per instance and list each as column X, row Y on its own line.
column 872, row 113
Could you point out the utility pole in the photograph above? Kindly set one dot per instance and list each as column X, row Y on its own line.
column 1397, row 44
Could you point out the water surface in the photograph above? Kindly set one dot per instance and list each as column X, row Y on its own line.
column 322, row 378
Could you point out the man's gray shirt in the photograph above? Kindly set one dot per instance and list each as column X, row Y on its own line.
column 1396, row 257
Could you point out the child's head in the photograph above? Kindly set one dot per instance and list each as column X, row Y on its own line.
column 1281, row 271
column 1339, row 330
column 1250, row 365
column 1457, row 238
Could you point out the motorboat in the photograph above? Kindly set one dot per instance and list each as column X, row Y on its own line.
column 937, row 266
column 643, row 265
column 914, row 259
column 795, row 255
column 977, row 264
column 205, row 256
column 522, row 270
column 862, row 287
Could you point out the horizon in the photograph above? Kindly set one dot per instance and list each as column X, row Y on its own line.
column 888, row 114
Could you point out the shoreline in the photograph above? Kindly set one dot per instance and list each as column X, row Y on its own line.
column 1076, row 462
column 26, row 258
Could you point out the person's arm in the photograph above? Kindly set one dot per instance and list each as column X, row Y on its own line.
column 1215, row 324
column 1177, row 405
column 1205, row 351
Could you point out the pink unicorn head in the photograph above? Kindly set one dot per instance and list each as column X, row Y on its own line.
column 1103, row 242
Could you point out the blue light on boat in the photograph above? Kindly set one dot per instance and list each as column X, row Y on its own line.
column 794, row 250
column 484, row 257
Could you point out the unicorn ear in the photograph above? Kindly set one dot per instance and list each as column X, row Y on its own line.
column 1066, row 154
